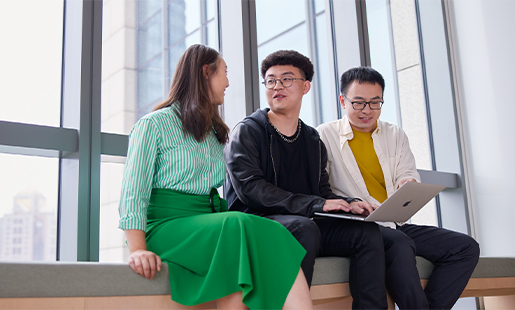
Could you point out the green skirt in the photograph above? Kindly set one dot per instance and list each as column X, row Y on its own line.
column 212, row 255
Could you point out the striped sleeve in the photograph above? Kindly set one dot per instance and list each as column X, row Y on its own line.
column 138, row 175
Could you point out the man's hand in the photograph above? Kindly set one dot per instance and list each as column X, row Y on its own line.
column 362, row 207
column 336, row 205
column 145, row 263
column 406, row 180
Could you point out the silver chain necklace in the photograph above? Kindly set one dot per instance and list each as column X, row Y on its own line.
column 282, row 136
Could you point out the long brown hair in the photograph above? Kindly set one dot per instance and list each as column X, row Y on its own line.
column 198, row 114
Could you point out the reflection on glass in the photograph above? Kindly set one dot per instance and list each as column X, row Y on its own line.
column 193, row 14
column 274, row 17
column 319, row 6
column 150, row 86
column 147, row 9
column 324, row 76
column 112, row 240
column 28, row 208
column 295, row 39
column 274, row 32
column 30, row 61
column 176, row 21
column 381, row 55
column 150, row 32
column 133, row 86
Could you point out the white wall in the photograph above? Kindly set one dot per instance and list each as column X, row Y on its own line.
column 483, row 48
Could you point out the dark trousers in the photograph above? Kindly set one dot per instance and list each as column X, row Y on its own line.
column 360, row 241
column 453, row 254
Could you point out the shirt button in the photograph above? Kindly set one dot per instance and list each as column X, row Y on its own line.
column 207, row 155
column 205, row 179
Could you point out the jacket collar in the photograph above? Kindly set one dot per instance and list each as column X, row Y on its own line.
column 344, row 128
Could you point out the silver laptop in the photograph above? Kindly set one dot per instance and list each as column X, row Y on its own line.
column 399, row 207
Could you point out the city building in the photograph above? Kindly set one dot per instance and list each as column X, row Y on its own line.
column 29, row 233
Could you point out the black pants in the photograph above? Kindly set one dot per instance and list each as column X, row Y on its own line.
column 454, row 255
column 360, row 241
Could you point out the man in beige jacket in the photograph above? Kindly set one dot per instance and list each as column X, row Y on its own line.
column 370, row 159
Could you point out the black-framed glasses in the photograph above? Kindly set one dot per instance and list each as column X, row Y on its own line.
column 360, row 105
column 285, row 82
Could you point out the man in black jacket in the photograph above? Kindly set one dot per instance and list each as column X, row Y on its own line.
column 276, row 168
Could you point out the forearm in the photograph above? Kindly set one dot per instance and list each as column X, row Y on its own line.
column 136, row 240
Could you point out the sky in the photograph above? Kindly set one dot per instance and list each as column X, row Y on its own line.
column 30, row 80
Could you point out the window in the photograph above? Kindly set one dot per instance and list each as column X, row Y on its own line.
column 305, row 31
column 28, row 206
column 160, row 32
column 30, row 79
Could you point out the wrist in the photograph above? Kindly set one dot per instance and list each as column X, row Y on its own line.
column 350, row 200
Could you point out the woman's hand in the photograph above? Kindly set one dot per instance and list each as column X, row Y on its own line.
column 145, row 263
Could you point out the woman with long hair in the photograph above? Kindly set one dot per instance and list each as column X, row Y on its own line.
column 170, row 209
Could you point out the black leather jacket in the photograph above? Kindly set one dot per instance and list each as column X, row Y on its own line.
column 251, row 182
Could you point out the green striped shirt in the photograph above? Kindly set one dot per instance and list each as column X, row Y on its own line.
column 160, row 156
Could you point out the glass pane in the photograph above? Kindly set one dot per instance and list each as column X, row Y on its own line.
column 137, row 65
column 381, row 55
column 150, row 39
column 175, row 53
column 147, row 8
column 212, row 35
column 28, row 208
column 177, row 21
column 150, row 87
column 211, row 9
column 323, row 74
column 319, row 6
column 194, row 38
column 112, row 239
column 30, row 58
column 271, row 19
column 192, row 13
column 295, row 39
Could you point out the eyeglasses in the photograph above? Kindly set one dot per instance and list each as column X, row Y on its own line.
column 287, row 81
column 358, row 105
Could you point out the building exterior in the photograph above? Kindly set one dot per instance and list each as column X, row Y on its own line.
column 29, row 233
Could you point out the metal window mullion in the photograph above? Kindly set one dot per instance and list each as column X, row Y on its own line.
column 311, row 32
column 167, row 80
column 250, row 51
column 203, row 21
column 333, row 57
column 361, row 13
column 79, row 188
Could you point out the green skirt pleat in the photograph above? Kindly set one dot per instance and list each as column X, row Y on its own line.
column 212, row 255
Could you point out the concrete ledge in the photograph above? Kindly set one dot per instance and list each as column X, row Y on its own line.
column 492, row 277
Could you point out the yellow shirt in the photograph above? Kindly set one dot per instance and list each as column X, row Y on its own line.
column 362, row 147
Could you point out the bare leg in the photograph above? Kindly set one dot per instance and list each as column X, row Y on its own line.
column 299, row 297
column 231, row 302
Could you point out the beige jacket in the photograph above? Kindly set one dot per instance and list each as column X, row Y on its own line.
column 392, row 148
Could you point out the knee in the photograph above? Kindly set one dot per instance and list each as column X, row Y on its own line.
column 307, row 233
column 303, row 229
column 371, row 236
column 400, row 244
column 309, row 236
column 470, row 248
